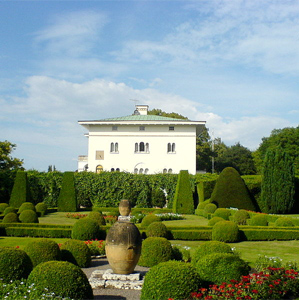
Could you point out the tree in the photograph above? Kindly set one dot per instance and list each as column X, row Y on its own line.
column 7, row 162
column 286, row 138
column 278, row 182
column 159, row 112
column 238, row 157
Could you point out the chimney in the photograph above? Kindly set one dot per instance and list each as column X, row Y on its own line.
column 142, row 109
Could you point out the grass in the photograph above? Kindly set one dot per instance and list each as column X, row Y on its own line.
column 190, row 220
column 58, row 218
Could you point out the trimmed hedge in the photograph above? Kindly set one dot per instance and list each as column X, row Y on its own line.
column 170, row 280
column 41, row 208
column 225, row 231
column 215, row 220
column 222, row 213
column 38, row 232
column 67, row 200
column 26, row 206
column 149, row 219
column 15, row 264
column 183, row 197
column 258, row 220
column 10, row 218
column 87, row 229
column 62, row 278
column 9, row 209
column 97, row 216
column 192, row 235
column 3, row 206
column 284, row 222
column 28, row 216
column 157, row 229
column 21, row 191
column 268, row 234
column 42, row 250
column 240, row 217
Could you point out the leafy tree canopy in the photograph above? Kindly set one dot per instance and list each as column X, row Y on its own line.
column 159, row 112
column 7, row 162
column 286, row 138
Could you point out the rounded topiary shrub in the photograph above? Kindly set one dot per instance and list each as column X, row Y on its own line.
column 62, row 278
column 155, row 250
column 147, row 220
column 3, row 206
column 241, row 217
column 215, row 220
column 26, row 206
column 15, row 264
column 210, row 208
column 76, row 252
column 202, row 205
column 156, row 229
column 8, row 210
column 10, row 218
column 259, row 220
column 42, row 250
column 222, row 213
column 41, row 208
column 86, row 229
column 97, row 209
column 98, row 217
column 284, row 222
column 170, row 280
column 28, row 216
column 217, row 268
column 209, row 248
column 225, row 231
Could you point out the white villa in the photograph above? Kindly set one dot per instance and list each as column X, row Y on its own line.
column 141, row 143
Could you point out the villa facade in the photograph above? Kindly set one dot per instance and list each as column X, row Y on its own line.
column 141, row 143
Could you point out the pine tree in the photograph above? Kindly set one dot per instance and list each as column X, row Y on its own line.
column 183, row 197
column 278, row 184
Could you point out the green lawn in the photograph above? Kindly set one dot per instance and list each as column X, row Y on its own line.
column 58, row 218
column 190, row 220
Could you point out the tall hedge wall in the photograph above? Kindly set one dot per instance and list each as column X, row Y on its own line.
column 67, row 200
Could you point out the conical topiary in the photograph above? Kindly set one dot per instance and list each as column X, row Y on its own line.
column 183, row 198
column 21, row 191
column 231, row 191
column 67, row 200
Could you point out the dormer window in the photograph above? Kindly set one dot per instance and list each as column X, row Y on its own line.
column 171, row 128
column 114, row 128
column 141, row 128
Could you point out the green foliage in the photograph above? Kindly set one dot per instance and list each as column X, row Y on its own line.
column 215, row 220
column 225, row 231
column 20, row 191
column 278, row 184
column 241, row 216
column 9, row 210
column 98, row 217
column 269, row 234
column 230, row 191
column 209, row 248
column 10, row 218
column 26, row 206
column 284, row 222
column 67, row 200
column 159, row 112
column 14, row 264
column 38, row 232
column 170, row 280
column 156, row 229
column 41, row 208
column 258, row 220
column 96, row 247
column 3, row 206
column 192, row 235
column 7, row 162
column 155, row 250
column 86, row 229
column 28, row 216
column 62, row 278
column 158, row 198
column 147, row 220
column 183, row 198
column 42, row 250
column 210, row 208
column 217, row 268
column 222, row 213
column 205, row 185
column 237, row 157
column 76, row 252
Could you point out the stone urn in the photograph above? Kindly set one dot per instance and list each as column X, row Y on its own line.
column 123, row 245
column 124, row 207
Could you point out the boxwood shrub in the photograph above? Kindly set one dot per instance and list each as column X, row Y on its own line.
column 15, row 264
column 210, row 208
column 26, row 206
column 155, row 250
column 240, row 217
column 222, row 213
column 10, row 218
column 156, row 229
column 215, row 220
column 170, row 280
column 76, row 252
column 225, row 231
column 147, row 220
column 28, row 216
column 3, row 206
column 41, row 208
column 42, row 250
column 217, row 268
column 258, row 220
column 98, row 217
column 62, row 278
column 284, row 222
column 87, row 229
column 9, row 210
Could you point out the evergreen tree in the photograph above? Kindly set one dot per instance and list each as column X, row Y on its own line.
column 278, row 183
column 67, row 200
column 21, row 191
column 183, row 197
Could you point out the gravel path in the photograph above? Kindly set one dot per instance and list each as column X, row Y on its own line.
column 111, row 294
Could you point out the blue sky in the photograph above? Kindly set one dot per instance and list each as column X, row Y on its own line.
column 234, row 64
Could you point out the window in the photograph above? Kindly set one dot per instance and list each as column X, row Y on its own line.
column 112, row 169
column 170, row 171
column 136, row 147
column 142, row 147
column 135, row 171
column 141, row 128
column 171, row 128
column 140, row 171
column 117, row 169
column 114, row 147
column 99, row 169
column 114, row 128
column 164, row 171
column 147, row 148
column 146, row 171
column 171, row 148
